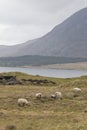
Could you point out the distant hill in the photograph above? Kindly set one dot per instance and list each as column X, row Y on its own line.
column 37, row 60
column 69, row 39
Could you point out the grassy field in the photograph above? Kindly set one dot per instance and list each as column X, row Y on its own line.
column 70, row 113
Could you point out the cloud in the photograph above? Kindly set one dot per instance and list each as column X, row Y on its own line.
column 21, row 20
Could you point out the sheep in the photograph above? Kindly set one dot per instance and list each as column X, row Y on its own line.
column 59, row 95
column 38, row 95
column 53, row 96
column 76, row 90
column 22, row 102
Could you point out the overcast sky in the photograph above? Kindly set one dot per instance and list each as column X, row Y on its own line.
column 22, row 20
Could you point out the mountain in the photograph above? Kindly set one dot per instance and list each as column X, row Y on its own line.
column 11, row 51
column 69, row 39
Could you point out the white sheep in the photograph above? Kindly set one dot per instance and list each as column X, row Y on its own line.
column 38, row 95
column 22, row 102
column 59, row 95
column 76, row 90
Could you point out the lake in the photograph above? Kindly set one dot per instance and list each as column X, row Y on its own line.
column 46, row 72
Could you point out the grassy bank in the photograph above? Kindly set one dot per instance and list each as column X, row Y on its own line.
column 70, row 113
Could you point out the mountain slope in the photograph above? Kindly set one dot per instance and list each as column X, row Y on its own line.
column 11, row 51
column 69, row 39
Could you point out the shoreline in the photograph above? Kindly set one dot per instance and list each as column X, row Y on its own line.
column 67, row 66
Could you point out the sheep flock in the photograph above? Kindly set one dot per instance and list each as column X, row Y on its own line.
column 57, row 95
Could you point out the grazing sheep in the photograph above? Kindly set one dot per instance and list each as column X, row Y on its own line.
column 77, row 90
column 22, row 102
column 53, row 96
column 38, row 95
column 59, row 95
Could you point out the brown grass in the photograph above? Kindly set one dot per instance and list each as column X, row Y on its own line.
column 70, row 113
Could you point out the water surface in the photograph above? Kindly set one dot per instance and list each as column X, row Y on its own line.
column 46, row 72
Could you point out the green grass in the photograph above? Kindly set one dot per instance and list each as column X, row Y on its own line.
column 70, row 113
